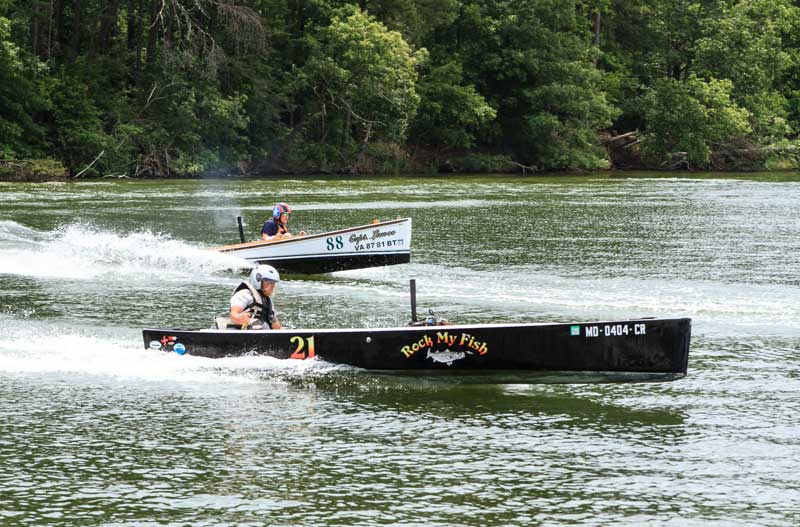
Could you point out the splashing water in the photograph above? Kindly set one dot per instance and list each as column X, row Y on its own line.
column 53, row 349
column 86, row 252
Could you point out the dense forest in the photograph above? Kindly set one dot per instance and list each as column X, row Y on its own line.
column 157, row 88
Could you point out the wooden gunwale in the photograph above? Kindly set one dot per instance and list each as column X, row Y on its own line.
column 261, row 243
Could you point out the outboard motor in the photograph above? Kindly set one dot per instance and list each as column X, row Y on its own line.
column 431, row 320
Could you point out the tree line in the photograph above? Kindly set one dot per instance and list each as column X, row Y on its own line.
column 155, row 88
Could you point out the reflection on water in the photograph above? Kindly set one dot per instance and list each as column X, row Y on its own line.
column 300, row 453
column 97, row 430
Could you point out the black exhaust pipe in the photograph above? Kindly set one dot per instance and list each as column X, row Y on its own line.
column 413, row 284
column 241, row 228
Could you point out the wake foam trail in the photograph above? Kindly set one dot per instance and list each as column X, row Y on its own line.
column 519, row 293
column 79, row 251
column 14, row 232
column 26, row 348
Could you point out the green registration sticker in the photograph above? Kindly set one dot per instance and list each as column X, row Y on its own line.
column 574, row 331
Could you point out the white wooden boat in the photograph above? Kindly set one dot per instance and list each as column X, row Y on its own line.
column 376, row 244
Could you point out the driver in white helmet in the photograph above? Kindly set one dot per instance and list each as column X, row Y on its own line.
column 251, row 303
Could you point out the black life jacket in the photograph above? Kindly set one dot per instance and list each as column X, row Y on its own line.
column 261, row 308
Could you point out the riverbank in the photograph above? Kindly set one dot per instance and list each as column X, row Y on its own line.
column 38, row 170
column 32, row 170
column 46, row 170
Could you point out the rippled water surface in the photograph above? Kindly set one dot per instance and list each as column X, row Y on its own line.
column 95, row 430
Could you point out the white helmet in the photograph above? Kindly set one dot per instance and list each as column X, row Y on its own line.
column 263, row 272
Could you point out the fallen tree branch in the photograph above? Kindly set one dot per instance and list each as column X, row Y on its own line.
column 634, row 143
column 90, row 164
column 621, row 136
column 524, row 167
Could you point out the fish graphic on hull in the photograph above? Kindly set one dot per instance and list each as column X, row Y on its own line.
column 446, row 356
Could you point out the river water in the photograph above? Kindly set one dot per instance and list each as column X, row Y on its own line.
column 95, row 430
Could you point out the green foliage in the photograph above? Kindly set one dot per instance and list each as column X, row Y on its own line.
column 747, row 43
column 449, row 112
column 363, row 79
column 531, row 64
column 484, row 164
column 744, row 46
column 76, row 129
column 192, row 126
column 263, row 98
column 32, row 170
column 197, row 86
column 691, row 117
column 385, row 158
column 21, row 97
column 317, row 157
column 415, row 19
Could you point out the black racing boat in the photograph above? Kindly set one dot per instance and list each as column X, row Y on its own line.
column 635, row 350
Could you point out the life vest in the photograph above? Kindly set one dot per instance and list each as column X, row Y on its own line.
column 280, row 228
column 261, row 309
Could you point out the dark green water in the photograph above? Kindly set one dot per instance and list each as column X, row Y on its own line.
column 95, row 430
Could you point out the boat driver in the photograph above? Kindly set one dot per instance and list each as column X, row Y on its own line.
column 276, row 228
column 251, row 303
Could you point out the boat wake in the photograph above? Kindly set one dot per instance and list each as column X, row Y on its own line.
column 528, row 293
column 78, row 251
column 47, row 348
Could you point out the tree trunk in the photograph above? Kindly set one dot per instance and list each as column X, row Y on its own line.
column 35, row 27
column 597, row 29
column 367, row 135
column 75, row 37
column 58, row 30
column 135, row 9
column 50, row 16
column 152, row 36
column 166, row 34
column 108, row 22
